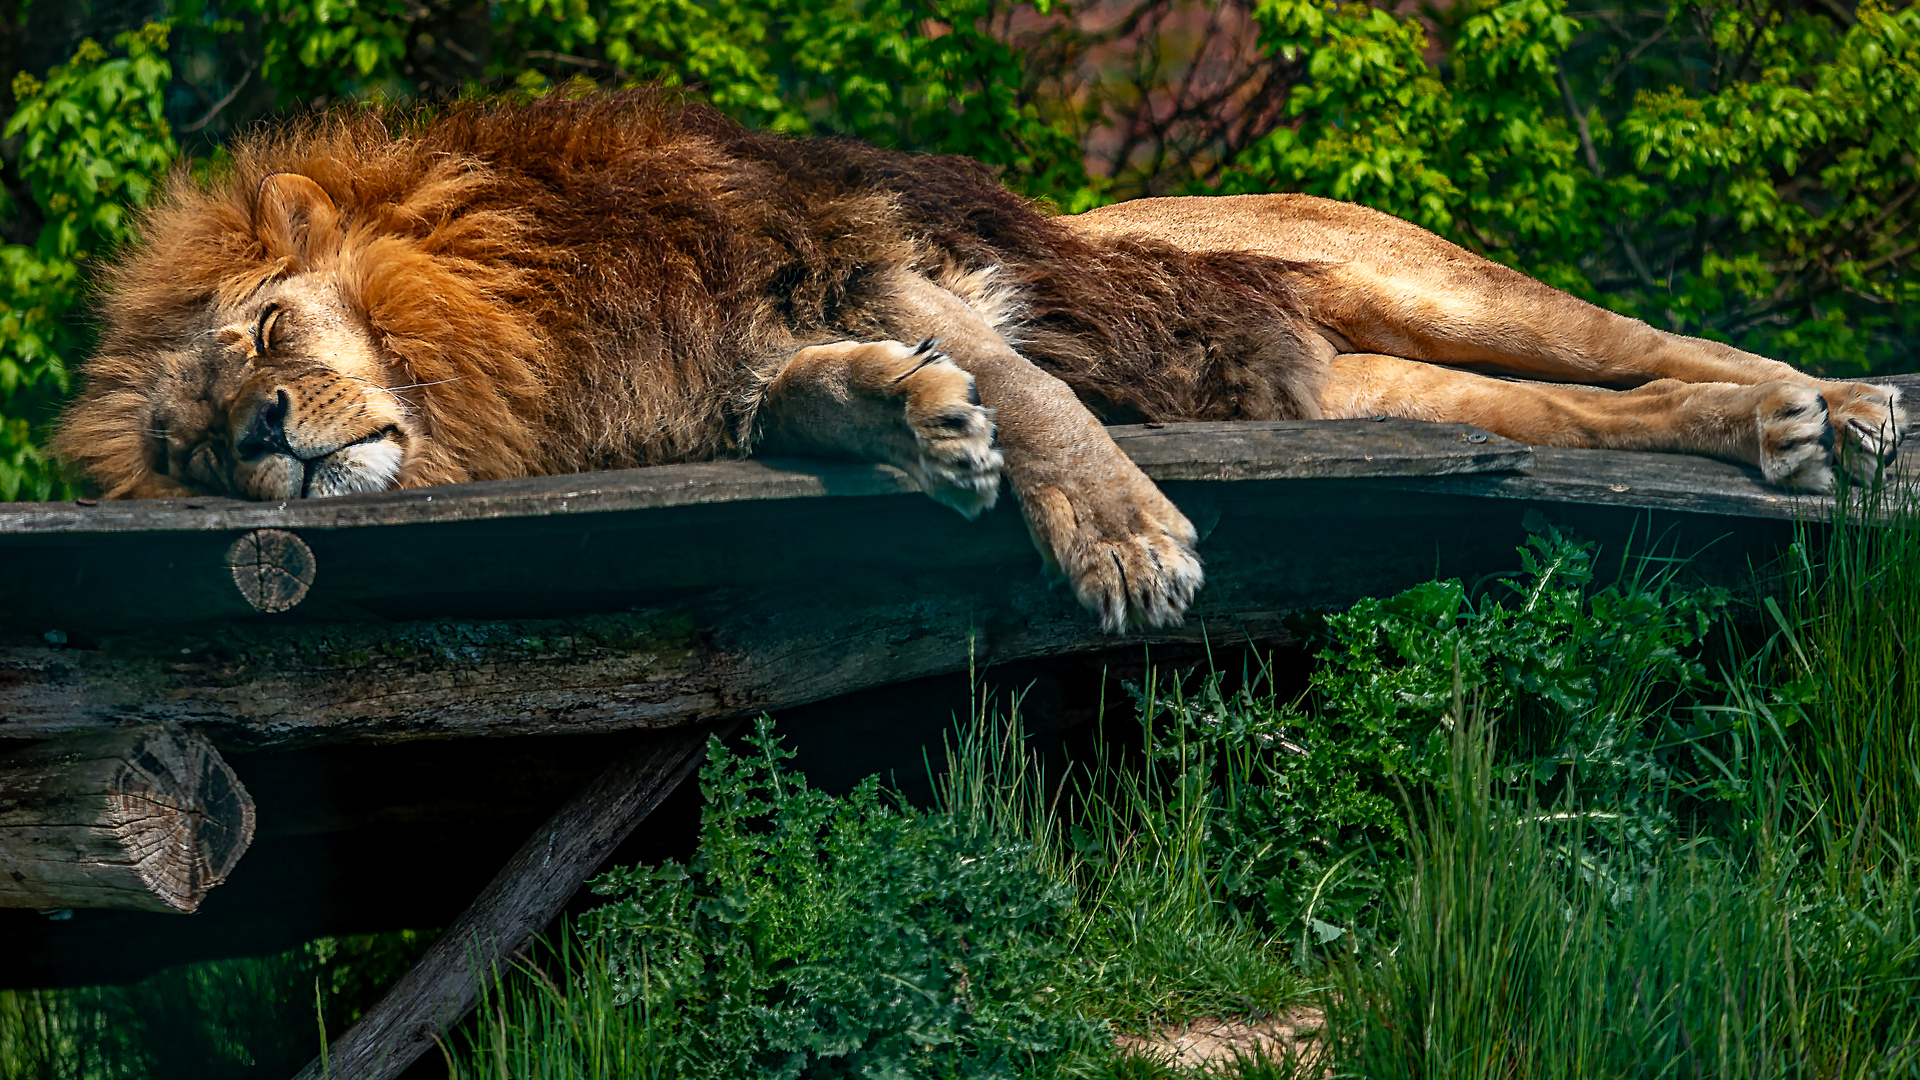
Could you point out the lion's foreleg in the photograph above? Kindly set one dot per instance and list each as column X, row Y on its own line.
column 1779, row 426
column 909, row 406
column 1124, row 547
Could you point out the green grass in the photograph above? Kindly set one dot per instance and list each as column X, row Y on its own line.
column 1846, row 664
column 250, row 1017
column 1503, row 955
column 1530, row 833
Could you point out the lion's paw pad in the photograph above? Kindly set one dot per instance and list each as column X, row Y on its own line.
column 1132, row 564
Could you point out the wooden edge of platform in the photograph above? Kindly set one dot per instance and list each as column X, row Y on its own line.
column 1643, row 481
column 1241, row 450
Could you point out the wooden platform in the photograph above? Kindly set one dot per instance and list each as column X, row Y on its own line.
column 394, row 724
column 654, row 597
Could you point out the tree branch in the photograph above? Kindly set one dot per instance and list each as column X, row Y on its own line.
column 223, row 102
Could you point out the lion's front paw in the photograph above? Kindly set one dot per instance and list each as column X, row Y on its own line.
column 955, row 460
column 1869, row 422
column 1128, row 554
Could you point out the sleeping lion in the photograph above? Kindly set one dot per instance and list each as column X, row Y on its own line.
column 368, row 301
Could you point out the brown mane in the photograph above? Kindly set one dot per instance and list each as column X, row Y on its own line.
column 596, row 282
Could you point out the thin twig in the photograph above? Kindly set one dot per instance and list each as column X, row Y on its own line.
column 1580, row 124
column 1847, row 18
column 1620, row 68
column 1892, row 256
column 223, row 102
column 565, row 58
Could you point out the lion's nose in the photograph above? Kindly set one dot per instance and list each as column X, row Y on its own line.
column 266, row 432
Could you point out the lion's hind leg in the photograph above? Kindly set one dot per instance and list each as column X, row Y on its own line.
column 905, row 405
column 1779, row 426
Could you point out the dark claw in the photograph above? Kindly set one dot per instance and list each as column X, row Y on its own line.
column 929, row 358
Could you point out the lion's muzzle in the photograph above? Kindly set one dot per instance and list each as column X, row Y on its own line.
column 276, row 456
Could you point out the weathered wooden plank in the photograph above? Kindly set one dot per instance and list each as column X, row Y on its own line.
column 1201, row 451
column 146, row 819
column 729, row 653
column 1646, row 481
column 502, row 611
column 1322, row 449
column 844, row 603
column 663, row 486
column 526, row 895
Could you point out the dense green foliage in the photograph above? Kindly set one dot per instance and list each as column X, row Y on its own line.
column 1741, row 170
column 92, row 141
column 821, row 936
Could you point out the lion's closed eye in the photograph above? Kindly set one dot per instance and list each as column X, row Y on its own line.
column 263, row 329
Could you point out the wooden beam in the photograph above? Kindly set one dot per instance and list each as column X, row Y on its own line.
column 658, row 597
column 1637, row 481
column 1250, row 450
column 148, row 819
column 841, row 602
column 527, row 895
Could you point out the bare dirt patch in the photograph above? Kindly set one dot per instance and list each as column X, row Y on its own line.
column 1211, row 1043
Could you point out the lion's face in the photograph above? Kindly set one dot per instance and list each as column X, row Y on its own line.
column 284, row 396
column 264, row 341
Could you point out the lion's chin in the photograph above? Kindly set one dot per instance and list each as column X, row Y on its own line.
column 358, row 469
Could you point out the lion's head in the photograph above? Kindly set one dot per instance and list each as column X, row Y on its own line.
column 341, row 312
column 284, row 393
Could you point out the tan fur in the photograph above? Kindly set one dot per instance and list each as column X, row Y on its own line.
column 375, row 299
column 1387, row 292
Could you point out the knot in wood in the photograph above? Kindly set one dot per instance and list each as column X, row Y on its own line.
column 272, row 568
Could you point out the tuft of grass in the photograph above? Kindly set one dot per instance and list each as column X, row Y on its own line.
column 1498, row 960
column 212, row 1020
column 1845, row 673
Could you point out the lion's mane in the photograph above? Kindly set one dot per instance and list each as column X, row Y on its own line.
column 579, row 283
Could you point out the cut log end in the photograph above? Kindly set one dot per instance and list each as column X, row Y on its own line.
column 149, row 819
column 272, row 568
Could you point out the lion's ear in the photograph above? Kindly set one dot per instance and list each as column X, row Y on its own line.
column 295, row 219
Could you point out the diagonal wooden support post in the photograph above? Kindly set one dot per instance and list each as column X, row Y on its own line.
column 526, row 895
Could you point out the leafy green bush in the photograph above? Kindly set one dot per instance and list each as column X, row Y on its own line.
column 1305, row 802
column 1743, row 172
column 838, row 936
column 92, row 144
